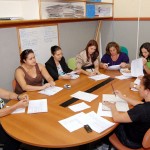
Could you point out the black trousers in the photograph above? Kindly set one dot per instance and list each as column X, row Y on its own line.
column 120, row 133
column 9, row 142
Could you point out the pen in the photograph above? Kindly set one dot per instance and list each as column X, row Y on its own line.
column 113, row 89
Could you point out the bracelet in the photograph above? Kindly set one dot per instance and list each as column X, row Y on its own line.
column 18, row 98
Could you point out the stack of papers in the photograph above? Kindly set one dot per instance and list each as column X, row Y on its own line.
column 97, row 123
column 65, row 10
column 37, row 106
column 121, row 104
column 136, row 69
column 99, row 77
column 51, row 90
column 84, row 96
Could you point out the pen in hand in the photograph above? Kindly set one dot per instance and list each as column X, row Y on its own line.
column 113, row 89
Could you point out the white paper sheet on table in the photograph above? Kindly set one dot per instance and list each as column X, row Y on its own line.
column 51, row 90
column 137, row 67
column 84, row 96
column 122, row 77
column 79, row 107
column 102, row 112
column 72, row 123
column 18, row 111
column 114, row 67
column 99, row 77
column 121, row 105
column 97, row 123
column 126, row 72
column 37, row 106
column 137, row 81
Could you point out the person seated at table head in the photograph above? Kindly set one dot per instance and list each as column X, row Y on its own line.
column 9, row 142
column 57, row 66
column 144, row 52
column 88, row 58
column 29, row 76
column 135, row 122
column 114, row 56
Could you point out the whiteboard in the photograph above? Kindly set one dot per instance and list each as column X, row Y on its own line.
column 40, row 40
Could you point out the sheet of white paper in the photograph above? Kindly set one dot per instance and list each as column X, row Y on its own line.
column 79, row 107
column 121, row 104
column 72, row 123
column 102, row 112
column 126, row 72
column 134, row 89
column 74, row 76
column 122, row 77
column 18, row 111
column 137, row 67
column 37, row 106
column 137, row 81
column 97, row 123
column 114, row 67
column 99, row 77
column 84, row 96
column 51, row 90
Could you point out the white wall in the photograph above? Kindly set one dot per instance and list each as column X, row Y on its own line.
column 130, row 8
column 9, row 58
column 73, row 38
column 125, row 34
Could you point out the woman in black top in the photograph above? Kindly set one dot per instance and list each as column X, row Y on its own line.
column 57, row 67
column 136, row 121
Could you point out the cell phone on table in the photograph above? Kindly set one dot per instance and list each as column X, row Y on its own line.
column 87, row 128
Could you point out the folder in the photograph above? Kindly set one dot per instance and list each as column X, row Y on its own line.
column 90, row 10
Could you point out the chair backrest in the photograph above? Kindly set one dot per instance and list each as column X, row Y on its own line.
column 72, row 63
column 146, row 139
column 124, row 49
column 13, row 84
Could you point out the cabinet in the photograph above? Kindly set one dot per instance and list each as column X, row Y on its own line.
column 42, row 11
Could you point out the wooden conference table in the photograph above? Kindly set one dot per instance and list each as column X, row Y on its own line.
column 44, row 130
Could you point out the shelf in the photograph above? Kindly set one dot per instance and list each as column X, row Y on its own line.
column 17, row 23
column 39, row 15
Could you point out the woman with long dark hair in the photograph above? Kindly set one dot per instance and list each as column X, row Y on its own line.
column 88, row 58
column 29, row 76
